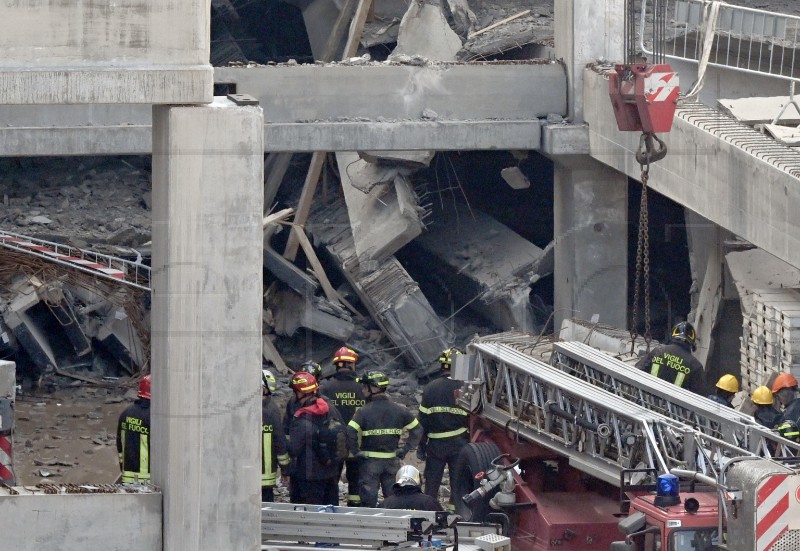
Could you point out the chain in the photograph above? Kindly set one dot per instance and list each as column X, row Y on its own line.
column 642, row 263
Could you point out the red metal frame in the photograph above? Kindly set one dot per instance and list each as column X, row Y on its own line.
column 644, row 96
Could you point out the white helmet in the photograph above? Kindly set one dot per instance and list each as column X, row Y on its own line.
column 407, row 475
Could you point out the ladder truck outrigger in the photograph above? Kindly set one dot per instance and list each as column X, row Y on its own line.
column 586, row 452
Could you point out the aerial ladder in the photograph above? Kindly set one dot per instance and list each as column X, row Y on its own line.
column 623, row 380
column 557, row 449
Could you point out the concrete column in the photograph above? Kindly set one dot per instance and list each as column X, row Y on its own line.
column 206, row 340
column 586, row 30
column 591, row 236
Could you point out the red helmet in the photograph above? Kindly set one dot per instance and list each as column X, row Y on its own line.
column 345, row 355
column 144, row 387
column 304, row 383
column 784, row 380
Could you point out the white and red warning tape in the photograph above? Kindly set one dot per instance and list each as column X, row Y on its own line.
column 772, row 510
column 135, row 274
column 6, row 461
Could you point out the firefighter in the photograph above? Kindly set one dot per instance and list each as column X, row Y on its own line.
column 406, row 493
column 727, row 387
column 311, row 480
column 344, row 392
column 444, row 427
column 674, row 362
column 273, row 439
column 785, row 390
column 374, row 433
column 312, row 368
column 765, row 413
column 133, row 437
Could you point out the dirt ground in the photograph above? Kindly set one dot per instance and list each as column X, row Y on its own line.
column 68, row 436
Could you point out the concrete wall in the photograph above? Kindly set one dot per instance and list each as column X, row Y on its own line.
column 96, row 51
column 80, row 522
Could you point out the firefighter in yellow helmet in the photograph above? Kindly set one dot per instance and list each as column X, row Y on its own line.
column 727, row 387
column 444, row 427
column 674, row 362
column 765, row 413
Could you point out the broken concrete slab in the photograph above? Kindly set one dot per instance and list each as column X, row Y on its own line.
column 514, row 177
column 787, row 135
column 118, row 336
column 761, row 110
column 424, row 32
column 757, row 269
column 393, row 299
column 291, row 311
column 19, row 316
column 480, row 257
column 52, row 294
column 383, row 210
column 288, row 273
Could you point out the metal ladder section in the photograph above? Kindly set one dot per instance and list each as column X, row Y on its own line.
column 101, row 265
column 625, row 381
column 348, row 525
column 600, row 433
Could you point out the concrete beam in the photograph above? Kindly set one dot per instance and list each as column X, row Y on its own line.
column 385, row 92
column 711, row 167
column 76, row 522
column 393, row 299
column 478, row 256
column 208, row 165
column 127, row 139
column 136, row 51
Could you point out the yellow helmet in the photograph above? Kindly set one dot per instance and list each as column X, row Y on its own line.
column 728, row 382
column 763, row 396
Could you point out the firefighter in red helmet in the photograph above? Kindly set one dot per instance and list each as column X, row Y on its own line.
column 133, row 437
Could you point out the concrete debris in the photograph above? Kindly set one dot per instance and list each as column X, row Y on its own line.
column 393, row 299
column 478, row 257
column 424, row 31
column 515, row 178
column 289, row 312
column 411, row 159
column 119, row 337
column 288, row 273
column 383, row 210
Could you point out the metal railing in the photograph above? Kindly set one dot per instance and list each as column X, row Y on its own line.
column 744, row 39
column 101, row 265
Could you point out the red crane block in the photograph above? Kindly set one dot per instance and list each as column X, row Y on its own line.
column 644, row 97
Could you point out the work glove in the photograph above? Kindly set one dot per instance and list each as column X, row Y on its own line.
column 401, row 454
column 421, row 447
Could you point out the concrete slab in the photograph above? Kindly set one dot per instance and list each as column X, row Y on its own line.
column 481, row 258
column 383, row 210
column 757, row 269
column 784, row 134
column 760, row 110
column 388, row 91
column 291, row 311
column 71, row 522
column 119, row 337
column 132, row 52
column 392, row 298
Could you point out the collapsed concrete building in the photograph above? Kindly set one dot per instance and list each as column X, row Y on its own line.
column 423, row 100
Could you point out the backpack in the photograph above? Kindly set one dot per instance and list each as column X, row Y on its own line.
column 331, row 440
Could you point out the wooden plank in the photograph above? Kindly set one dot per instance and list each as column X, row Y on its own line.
column 275, row 168
column 501, row 22
column 330, row 292
column 271, row 353
column 338, row 30
column 356, row 28
column 304, row 204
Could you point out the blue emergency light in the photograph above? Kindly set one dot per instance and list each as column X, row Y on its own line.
column 667, row 490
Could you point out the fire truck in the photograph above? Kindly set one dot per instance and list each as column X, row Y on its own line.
column 582, row 451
